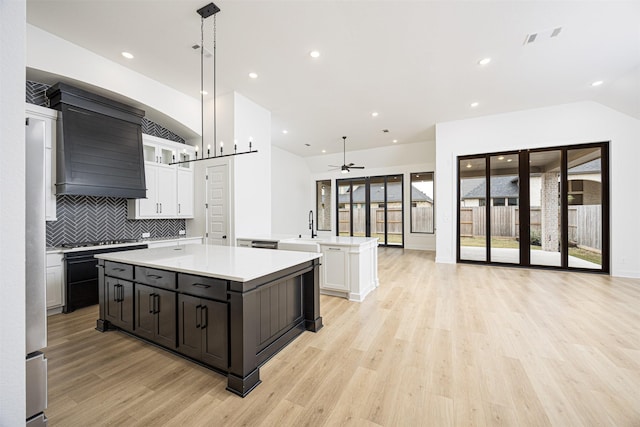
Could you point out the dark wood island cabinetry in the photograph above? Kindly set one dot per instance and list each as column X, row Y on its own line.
column 227, row 308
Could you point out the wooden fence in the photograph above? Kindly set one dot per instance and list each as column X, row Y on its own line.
column 394, row 221
column 585, row 223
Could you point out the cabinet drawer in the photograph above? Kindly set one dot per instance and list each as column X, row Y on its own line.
column 203, row 286
column 159, row 278
column 116, row 269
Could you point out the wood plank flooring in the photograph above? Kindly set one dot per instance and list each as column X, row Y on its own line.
column 434, row 345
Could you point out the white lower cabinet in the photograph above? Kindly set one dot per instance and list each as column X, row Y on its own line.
column 55, row 281
column 335, row 268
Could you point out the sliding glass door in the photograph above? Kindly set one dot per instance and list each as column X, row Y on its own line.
column 372, row 207
column 544, row 207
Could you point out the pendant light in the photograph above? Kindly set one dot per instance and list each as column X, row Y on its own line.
column 205, row 12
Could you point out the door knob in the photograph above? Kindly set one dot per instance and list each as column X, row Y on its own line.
column 224, row 237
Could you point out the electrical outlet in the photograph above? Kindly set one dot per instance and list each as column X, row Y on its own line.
column 146, row 235
column 182, row 232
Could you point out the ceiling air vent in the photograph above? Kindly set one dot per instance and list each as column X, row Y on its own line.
column 207, row 53
column 542, row 36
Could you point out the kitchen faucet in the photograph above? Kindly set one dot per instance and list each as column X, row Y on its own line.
column 311, row 225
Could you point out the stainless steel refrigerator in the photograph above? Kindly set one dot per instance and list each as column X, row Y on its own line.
column 35, row 295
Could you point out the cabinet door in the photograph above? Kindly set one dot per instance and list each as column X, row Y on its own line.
column 168, row 202
column 126, row 305
column 335, row 268
column 189, row 326
column 214, row 338
column 54, row 286
column 185, row 193
column 111, row 300
column 149, row 207
column 145, row 318
column 165, row 318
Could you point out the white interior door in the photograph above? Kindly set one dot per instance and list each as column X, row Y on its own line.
column 217, row 205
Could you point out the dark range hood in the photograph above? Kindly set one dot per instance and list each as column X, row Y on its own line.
column 99, row 145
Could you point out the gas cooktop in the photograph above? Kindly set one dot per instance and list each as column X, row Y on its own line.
column 98, row 243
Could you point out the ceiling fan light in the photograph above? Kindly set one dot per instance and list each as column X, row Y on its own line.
column 344, row 170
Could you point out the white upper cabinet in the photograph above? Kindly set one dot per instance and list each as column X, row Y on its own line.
column 47, row 118
column 169, row 186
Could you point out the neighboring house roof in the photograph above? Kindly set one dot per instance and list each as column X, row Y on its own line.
column 501, row 186
column 394, row 194
column 594, row 166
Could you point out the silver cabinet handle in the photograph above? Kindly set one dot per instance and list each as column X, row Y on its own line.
column 178, row 207
column 333, row 249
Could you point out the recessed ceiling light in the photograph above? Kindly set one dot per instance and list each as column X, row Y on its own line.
column 314, row 54
column 253, row 75
column 285, row 131
column 484, row 61
column 509, row 160
column 127, row 55
column 474, row 104
column 374, row 114
column 501, row 158
column 394, row 141
column 324, row 151
column 597, row 83
column 204, row 92
column 468, row 165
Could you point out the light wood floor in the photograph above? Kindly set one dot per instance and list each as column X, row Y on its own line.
column 434, row 345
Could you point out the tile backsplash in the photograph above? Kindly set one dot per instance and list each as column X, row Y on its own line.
column 88, row 218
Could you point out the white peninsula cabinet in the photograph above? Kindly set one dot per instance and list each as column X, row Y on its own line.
column 169, row 186
column 349, row 265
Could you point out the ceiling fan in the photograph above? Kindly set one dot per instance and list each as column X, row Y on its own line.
column 345, row 167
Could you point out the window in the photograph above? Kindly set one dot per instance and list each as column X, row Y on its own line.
column 422, row 202
column 323, row 205
column 498, row 202
column 513, row 201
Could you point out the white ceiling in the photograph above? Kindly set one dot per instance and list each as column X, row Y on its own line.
column 414, row 62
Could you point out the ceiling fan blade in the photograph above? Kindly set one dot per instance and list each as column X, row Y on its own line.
column 334, row 166
column 356, row 167
column 350, row 164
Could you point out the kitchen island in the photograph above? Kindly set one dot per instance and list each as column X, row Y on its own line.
column 228, row 308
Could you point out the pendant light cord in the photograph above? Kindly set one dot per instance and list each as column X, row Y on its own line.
column 215, row 62
column 202, row 85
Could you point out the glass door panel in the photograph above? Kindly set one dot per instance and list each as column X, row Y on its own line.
column 344, row 208
column 504, row 192
column 472, row 216
column 394, row 213
column 584, row 203
column 377, row 207
column 359, row 207
column 545, row 225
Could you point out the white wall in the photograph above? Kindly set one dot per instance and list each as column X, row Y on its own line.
column 252, row 193
column 292, row 195
column 12, row 210
column 547, row 127
column 394, row 159
column 249, row 174
column 49, row 53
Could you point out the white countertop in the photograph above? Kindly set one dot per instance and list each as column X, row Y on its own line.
column 223, row 262
column 59, row 249
column 321, row 240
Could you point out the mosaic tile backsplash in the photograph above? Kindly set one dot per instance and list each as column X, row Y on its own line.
column 87, row 218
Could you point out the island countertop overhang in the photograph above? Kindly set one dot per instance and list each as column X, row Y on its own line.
column 223, row 262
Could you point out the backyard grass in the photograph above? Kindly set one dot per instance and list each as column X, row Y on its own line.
column 511, row 243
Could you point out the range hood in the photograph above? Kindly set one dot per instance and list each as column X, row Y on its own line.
column 99, row 145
